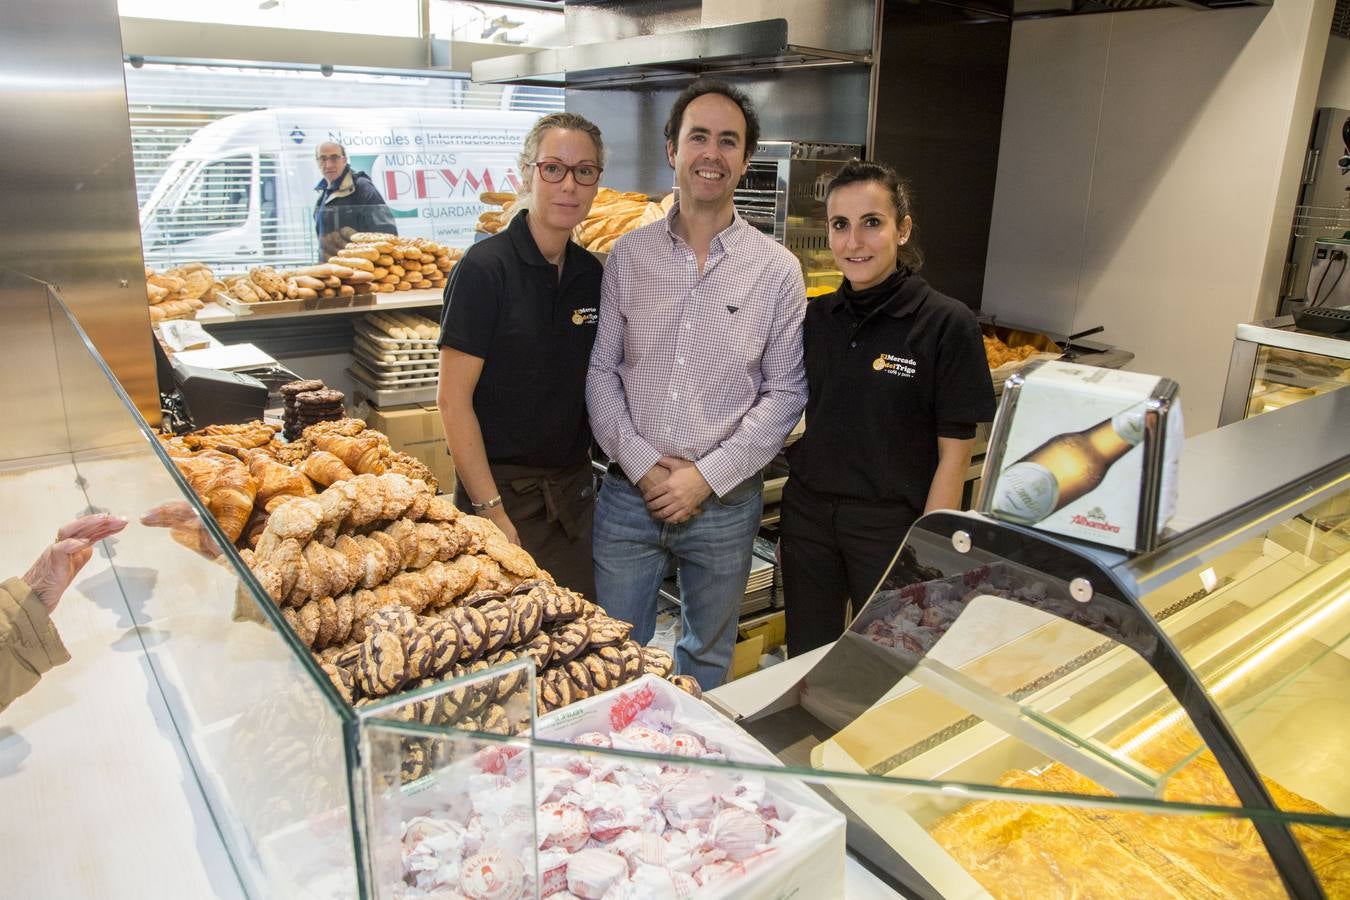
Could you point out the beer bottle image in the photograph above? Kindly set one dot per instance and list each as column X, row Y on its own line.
column 1066, row 467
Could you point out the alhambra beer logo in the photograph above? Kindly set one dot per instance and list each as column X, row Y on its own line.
column 587, row 315
column 1095, row 519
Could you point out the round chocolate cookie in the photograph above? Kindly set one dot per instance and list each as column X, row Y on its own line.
column 419, row 653
column 528, row 585
column 606, row 631
column 687, row 683
column 582, row 684
column 473, row 631
column 602, row 678
column 445, row 641
column 631, row 653
column 555, row 689
column 527, row 618
column 291, row 388
column 508, row 683
column 540, row 648
column 381, row 668
column 498, row 616
column 658, row 662
column 613, row 658
column 320, row 397
column 570, row 641
column 478, row 598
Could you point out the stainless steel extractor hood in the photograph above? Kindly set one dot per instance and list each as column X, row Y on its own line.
column 730, row 37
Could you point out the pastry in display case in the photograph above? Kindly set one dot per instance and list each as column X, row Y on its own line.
column 1015, row 714
column 1275, row 364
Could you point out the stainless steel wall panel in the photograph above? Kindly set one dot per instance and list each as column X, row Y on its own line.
column 820, row 105
column 67, row 178
column 30, row 404
column 844, row 25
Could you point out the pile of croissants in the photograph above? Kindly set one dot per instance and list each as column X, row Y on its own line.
column 243, row 472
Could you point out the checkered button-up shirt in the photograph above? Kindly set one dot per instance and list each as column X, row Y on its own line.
column 704, row 366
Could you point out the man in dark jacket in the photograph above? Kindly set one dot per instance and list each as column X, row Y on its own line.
column 348, row 202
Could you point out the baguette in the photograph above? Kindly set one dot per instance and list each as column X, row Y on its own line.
column 350, row 263
column 309, row 281
column 360, row 251
column 403, row 286
column 384, row 259
column 360, row 278
column 306, row 293
column 346, row 291
column 379, row 272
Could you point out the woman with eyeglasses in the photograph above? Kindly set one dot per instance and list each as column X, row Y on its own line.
column 516, row 335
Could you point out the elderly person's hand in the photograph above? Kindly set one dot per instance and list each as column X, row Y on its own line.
column 184, row 525
column 58, row 565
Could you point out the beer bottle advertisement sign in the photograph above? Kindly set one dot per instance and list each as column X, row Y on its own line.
column 1074, row 460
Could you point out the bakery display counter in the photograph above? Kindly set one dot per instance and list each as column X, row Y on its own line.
column 1275, row 364
column 994, row 657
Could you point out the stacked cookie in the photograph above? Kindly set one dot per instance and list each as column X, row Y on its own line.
column 307, row 403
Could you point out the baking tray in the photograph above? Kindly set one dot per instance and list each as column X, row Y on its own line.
column 384, row 397
column 376, row 351
column 410, row 370
column 384, row 380
column 380, row 339
column 378, row 359
column 275, row 307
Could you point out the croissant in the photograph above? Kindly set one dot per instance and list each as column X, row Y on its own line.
column 226, row 487
column 275, row 481
column 323, row 468
column 360, row 454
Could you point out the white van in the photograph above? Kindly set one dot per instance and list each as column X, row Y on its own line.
column 241, row 191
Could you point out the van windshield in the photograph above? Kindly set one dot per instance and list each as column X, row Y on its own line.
column 216, row 199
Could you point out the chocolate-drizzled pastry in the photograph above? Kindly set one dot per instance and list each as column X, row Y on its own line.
column 445, row 641
column 342, row 680
column 450, row 705
column 390, row 618
column 291, row 388
column 560, row 605
column 478, row 598
column 414, row 764
column 419, row 652
column 473, row 631
column 601, row 679
column 540, row 648
column 687, row 683
column 527, row 618
column 570, row 641
column 658, row 662
column 482, row 691
column 631, row 652
column 507, row 684
column 347, row 657
column 381, row 668
column 493, row 720
column 498, row 616
column 606, row 631
column 528, row 585
column 582, row 686
column 612, row 657
column 556, row 689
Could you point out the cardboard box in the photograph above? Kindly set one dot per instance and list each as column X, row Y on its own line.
column 416, row 430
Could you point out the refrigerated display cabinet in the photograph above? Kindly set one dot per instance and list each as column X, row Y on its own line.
column 1275, row 364
column 1167, row 709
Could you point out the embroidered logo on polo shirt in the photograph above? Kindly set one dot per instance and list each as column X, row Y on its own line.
column 587, row 315
column 899, row 366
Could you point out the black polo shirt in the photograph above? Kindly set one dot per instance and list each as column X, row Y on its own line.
column 886, row 381
column 505, row 305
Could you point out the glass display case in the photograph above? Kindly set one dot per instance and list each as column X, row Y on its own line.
column 1009, row 715
column 1275, row 364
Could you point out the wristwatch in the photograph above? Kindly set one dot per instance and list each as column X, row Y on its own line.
column 488, row 504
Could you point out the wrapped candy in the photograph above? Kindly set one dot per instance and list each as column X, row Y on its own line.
column 738, row 834
column 682, row 743
column 562, row 825
column 643, row 739
column 689, row 799
column 492, row 876
column 591, row 873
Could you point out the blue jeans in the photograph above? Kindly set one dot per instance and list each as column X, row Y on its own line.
column 712, row 557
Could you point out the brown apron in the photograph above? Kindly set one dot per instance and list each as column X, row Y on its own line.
column 553, row 511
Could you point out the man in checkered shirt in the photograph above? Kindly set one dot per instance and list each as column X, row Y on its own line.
column 695, row 380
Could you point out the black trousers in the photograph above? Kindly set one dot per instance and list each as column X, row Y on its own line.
column 833, row 549
column 553, row 511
